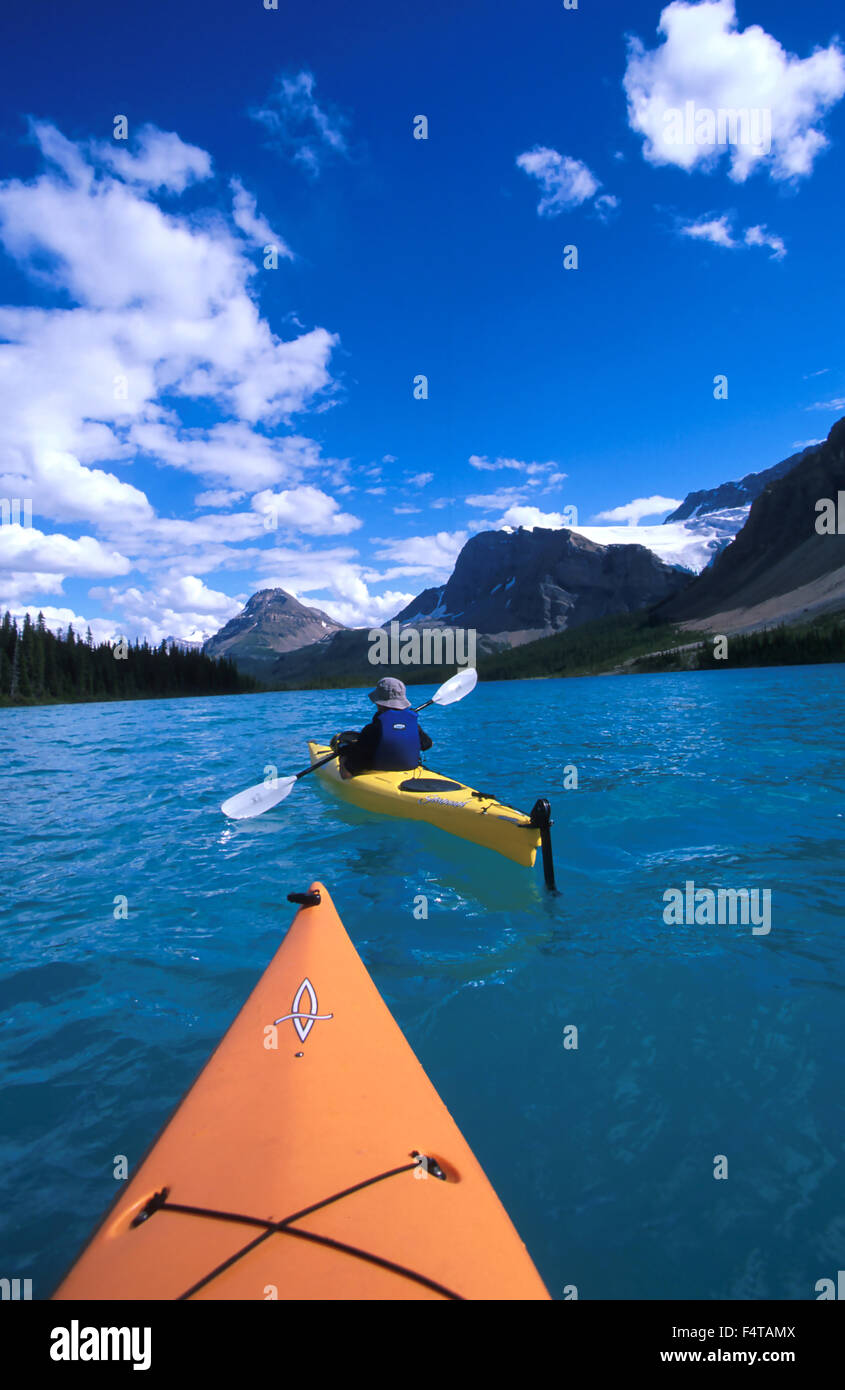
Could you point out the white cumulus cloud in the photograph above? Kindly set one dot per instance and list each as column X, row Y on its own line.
column 305, row 509
column 218, row 497
column 434, row 555
column 633, row 512
column 565, row 182
column 761, row 236
column 248, row 220
column 155, row 323
column 26, row 549
column 715, row 229
column 63, row 489
column 180, row 606
column 160, row 161
column 529, row 517
column 720, row 231
column 705, row 65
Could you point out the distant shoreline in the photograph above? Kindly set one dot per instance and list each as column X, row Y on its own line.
column 6, row 703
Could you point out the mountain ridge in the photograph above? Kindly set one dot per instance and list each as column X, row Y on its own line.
column 513, row 586
column 740, row 493
column 271, row 622
column 779, row 567
column 519, row 586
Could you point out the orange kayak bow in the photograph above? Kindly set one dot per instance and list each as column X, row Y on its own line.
column 311, row 1159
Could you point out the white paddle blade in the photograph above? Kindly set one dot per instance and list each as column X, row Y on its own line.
column 257, row 799
column 457, row 687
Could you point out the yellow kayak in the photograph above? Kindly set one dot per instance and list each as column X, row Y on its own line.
column 423, row 795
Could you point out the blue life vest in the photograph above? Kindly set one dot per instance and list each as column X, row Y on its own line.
column 398, row 748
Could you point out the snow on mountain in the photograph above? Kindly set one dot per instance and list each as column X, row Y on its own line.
column 515, row 585
column 690, row 544
column 193, row 641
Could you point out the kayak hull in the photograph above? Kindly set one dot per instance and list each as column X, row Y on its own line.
column 292, row 1168
column 462, row 812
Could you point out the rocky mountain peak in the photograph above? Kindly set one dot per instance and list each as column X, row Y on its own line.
column 515, row 586
column 271, row 622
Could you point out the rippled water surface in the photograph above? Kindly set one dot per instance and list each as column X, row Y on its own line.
column 694, row 1041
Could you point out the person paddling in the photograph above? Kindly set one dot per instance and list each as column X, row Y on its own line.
column 391, row 742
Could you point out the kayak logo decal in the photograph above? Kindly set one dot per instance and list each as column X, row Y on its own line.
column 303, row 1020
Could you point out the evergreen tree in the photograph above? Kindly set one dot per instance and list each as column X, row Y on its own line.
column 37, row 664
column 14, row 682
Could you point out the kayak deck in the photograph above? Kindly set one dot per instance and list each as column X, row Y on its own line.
column 423, row 795
column 311, row 1159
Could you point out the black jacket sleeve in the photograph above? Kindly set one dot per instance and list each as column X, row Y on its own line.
column 367, row 741
column 425, row 741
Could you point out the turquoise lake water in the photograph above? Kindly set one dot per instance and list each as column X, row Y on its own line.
column 694, row 1041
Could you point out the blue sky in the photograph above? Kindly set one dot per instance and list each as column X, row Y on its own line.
column 164, row 396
